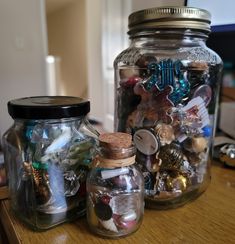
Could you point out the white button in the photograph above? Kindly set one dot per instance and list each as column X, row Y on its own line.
column 146, row 142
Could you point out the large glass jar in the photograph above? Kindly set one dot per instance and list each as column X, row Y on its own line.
column 167, row 87
column 115, row 188
column 47, row 152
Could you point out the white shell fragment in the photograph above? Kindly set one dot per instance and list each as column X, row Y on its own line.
column 109, row 225
column 129, row 216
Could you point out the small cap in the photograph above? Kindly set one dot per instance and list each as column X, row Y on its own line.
column 115, row 140
column 48, row 107
column 170, row 18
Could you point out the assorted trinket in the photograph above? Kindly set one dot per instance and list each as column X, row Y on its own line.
column 115, row 188
column 48, row 152
column 168, row 127
column 166, row 92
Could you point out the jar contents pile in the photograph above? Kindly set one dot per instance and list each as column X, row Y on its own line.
column 48, row 159
column 164, row 105
column 115, row 188
column 57, row 160
column 167, row 86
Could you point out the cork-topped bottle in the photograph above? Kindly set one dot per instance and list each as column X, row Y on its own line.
column 115, row 188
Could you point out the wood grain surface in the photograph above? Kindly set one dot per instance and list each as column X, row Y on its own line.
column 3, row 192
column 208, row 219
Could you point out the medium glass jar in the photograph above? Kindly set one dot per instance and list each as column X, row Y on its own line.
column 115, row 188
column 47, row 152
column 167, row 87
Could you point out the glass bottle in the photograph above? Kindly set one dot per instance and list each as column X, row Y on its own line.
column 115, row 188
column 167, row 86
column 47, row 152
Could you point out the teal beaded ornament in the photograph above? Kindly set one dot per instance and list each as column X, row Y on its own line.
column 168, row 73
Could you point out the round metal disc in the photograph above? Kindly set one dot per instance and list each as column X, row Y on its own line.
column 146, row 142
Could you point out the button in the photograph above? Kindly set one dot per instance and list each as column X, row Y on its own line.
column 146, row 142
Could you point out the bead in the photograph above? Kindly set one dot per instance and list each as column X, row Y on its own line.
column 207, row 131
column 39, row 165
column 171, row 156
column 130, row 82
column 199, row 144
column 105, row 199
column 176, row 182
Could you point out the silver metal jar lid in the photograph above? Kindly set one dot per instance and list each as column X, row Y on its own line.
column 170, row 18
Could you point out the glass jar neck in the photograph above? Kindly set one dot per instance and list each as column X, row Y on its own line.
column 168, row 38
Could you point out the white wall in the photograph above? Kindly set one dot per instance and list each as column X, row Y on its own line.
column 94, row 57
column 67, row 40
column 22, row 52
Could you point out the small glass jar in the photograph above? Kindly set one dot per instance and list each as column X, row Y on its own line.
column 167, row 87
column 48, row 152
column 115, row 188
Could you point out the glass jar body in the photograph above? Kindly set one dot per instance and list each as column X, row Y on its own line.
column 115, row 200
column 167, row 84
column 47, row 163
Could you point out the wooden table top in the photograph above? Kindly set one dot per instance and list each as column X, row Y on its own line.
column 208, row 219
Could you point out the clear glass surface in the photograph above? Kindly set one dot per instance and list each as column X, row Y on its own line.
column 47, row 163
column 166, row 90
column 115, row 200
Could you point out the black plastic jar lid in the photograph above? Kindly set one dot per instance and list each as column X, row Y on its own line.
column 48, row 107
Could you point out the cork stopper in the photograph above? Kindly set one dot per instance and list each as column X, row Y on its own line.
column 116, row 145
column 115, row 140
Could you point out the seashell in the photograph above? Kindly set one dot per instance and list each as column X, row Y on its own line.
column 165, row 133
column 109, row 225
column 129, row 216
